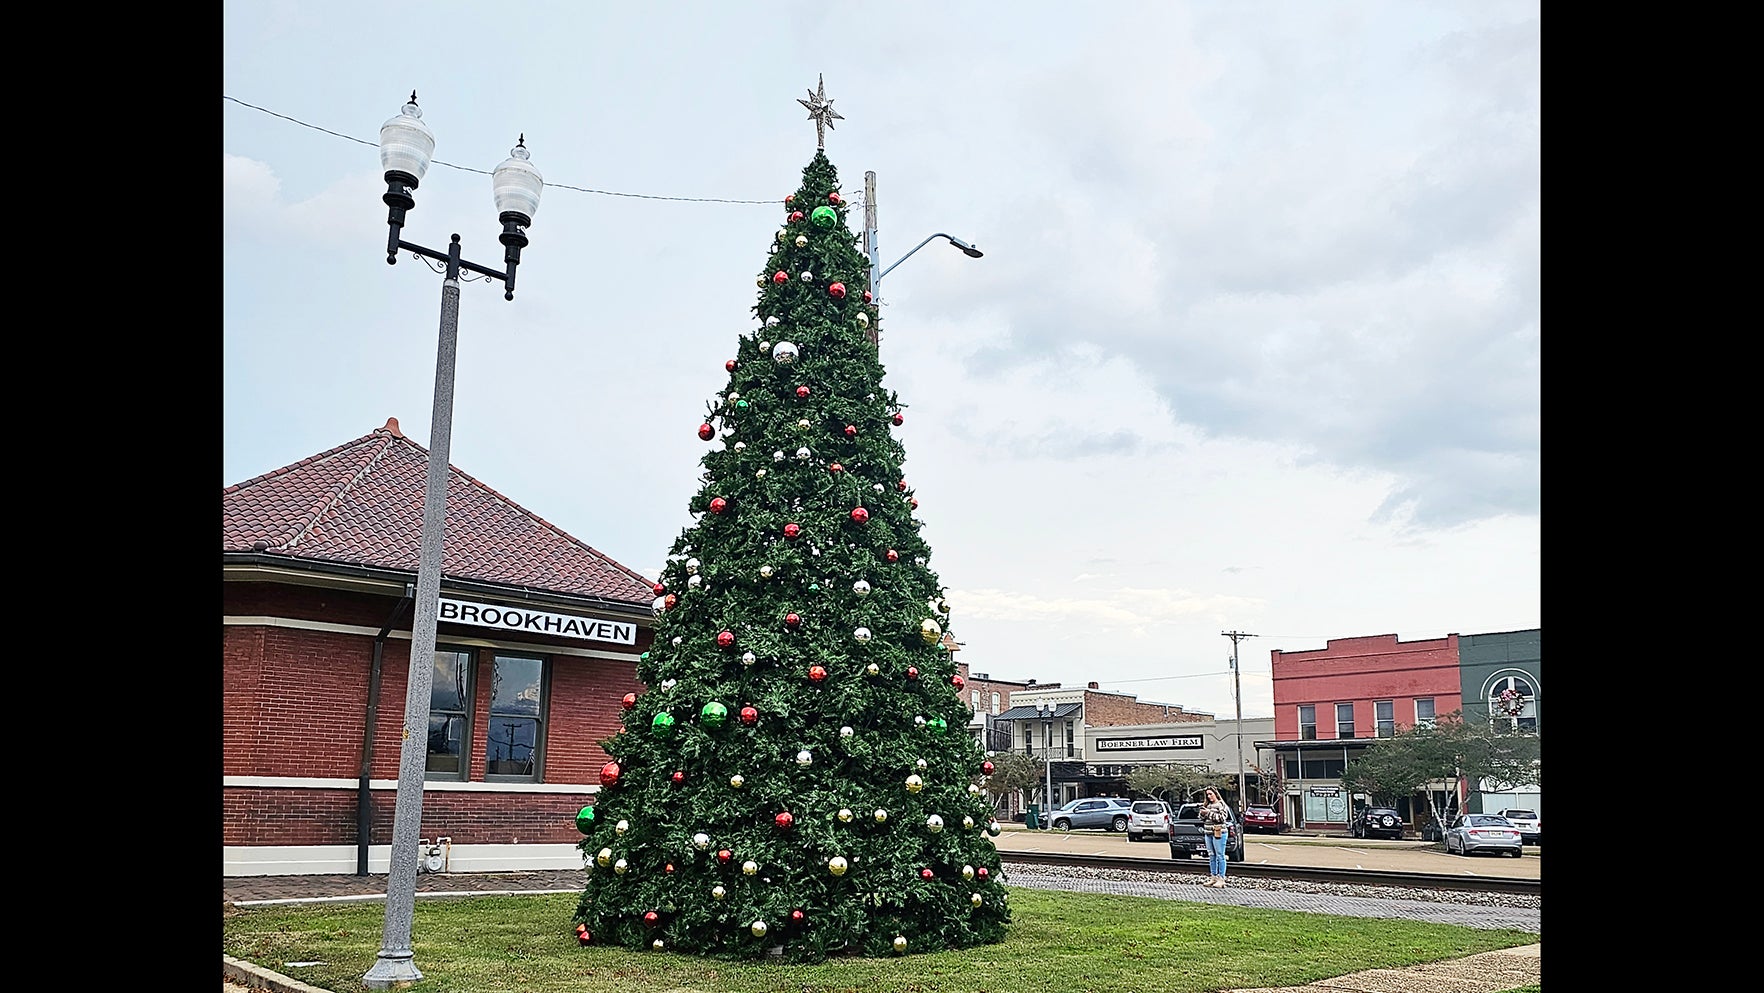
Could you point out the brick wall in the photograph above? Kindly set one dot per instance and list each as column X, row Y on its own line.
column 267, row 816
column 1102, row 709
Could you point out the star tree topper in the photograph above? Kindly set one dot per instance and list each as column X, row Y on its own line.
column 821, row 111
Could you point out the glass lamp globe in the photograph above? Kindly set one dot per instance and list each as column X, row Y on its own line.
column 516, row 185
column 406, row 143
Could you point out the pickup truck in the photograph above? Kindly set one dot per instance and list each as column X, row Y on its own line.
column 1186, row 840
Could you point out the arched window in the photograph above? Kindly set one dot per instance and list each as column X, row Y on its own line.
column 1512, row 698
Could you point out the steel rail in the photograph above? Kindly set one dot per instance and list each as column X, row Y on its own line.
column 1251, row 870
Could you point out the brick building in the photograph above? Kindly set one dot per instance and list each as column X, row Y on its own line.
column 1051, row 722
column 537, row 643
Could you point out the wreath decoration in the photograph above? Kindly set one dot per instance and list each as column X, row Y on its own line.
column 1510, row 701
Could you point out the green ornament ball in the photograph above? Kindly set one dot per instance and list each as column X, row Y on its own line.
column 585, row 819
column 713, row 714
column 644, row 656
column 664, row 722
column 938, row 725
column 823, row 217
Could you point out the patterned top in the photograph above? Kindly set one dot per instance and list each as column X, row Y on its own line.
column 1215, row 813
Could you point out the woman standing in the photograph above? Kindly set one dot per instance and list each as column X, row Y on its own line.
column 1216, row 826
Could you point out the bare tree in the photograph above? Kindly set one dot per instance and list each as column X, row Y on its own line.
column 1173, row 782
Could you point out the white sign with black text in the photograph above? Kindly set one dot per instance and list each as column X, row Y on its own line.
column 1121, row 744
column 527, row 621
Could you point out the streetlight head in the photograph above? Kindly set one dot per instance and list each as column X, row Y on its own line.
column 516, row 185
column 406, row 145
column 966, row 248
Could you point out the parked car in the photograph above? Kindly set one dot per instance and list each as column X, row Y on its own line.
column 1472, row 833
column 1186, row 840
column 1529, row 824
column 1148, row 818
column 1265, row 820
column 1106, row 812
column 1377, row 822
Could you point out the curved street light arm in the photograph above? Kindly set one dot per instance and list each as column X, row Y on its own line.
column 957, row 242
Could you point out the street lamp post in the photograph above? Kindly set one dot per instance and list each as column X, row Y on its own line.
column 406, row 145
column 873, row 250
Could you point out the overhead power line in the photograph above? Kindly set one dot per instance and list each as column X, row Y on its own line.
column 485, row 172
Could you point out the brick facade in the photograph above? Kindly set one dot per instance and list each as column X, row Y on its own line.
column 1361, row 671
column 1105, row 709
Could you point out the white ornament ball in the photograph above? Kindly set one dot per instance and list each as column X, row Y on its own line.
column 863, row 319
column 741, row 446
column 701, row 841
column 934, row 824
column 860, row 587
column 605, row 856
column 922, row 764
column 784, row 353
column 967, row 872
column 872, row 669
column 772, row 321
column 914, row 784
column 694, row 581
column 845, row 815
column 717, row 892
column 733, row 396
column 620, row 866
column 805, row 758
column 976, row 899
column 900, row 943
column 668, row 684
column 803, row 453
column 765, row 346
column 967, row 823
column 676, row 641
column 863, row 637
column 758, row 928
column 737, row 781
column 622, row 826
column 747, row 658
column 782, row 235
column 919, row 721
column 992, row 828
column 876, row 486
column 802, row 241
column 660, row 606
column 692, row 565
column 802, row 424
column 808, row 277
column 846, row 731
column 881, row 816
column 750, row 868
column 658, row 944
column 836, row 865
column 767, row 570
column 778, row 456
column 974, row 788
column 759, row 474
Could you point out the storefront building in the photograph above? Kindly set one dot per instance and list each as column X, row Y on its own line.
column 536, row 644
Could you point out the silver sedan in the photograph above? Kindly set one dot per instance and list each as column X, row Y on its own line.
column 1472, row 833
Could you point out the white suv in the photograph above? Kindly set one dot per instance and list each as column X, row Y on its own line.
column 1529, row 824
column 1149, row 819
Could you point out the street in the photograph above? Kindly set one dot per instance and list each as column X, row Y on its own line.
column 1269, row 849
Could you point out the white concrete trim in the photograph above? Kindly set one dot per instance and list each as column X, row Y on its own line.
column 314, row 783
column 301, row 624
column 309, row 860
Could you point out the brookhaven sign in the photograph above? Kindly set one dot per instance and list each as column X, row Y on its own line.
column 490, row 615
column 1117, row 744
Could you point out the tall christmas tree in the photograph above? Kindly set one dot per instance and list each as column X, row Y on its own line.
column 798, row 778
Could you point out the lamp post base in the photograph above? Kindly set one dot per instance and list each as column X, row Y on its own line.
column 392, row 970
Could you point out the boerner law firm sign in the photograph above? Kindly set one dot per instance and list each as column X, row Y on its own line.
column 490, row 615
column 1136, row 744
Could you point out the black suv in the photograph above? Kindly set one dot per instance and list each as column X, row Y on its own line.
column 1377, row 822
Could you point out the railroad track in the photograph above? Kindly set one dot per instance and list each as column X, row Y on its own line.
column 1248, row 870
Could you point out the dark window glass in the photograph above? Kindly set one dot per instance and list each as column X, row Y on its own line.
column 1307, row 723
column 450, row 697
column 515, row 728
column 1384, row 712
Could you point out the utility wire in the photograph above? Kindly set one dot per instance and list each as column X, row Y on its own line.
column 484, row 172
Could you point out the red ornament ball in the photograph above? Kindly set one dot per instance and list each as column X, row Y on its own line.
column 912, row 672
column 893, row 556
column 669, row 867
column 629, row 701
column 987, row 767
column 926, row 873
column 729, row 365
column 718, row 505
column 836, row 291
column 725, row 639
column 583, row 937
column 817, row 672
column 913, row 502
column 802, row 392
column 901, row 486
column 670, row 600
column 789, row 198
column 784, row 820
column 796, row 916
column 659, row 589
column 899, row 419
column 835, row 467
column 981, row 872
column 706, row 432
column 835, row 199
column 749, row 715
column 609, row 774
column 792, row 620
column 851, row 431
column 780, row 277
column 724, row 855
column 678, row 777
column 957, row 681
column 795, row 215
column 860, row 515
column 651, row 919
column 792, row 530
column 866, row 296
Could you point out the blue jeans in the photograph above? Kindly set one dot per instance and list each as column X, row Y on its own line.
column 1216, row 852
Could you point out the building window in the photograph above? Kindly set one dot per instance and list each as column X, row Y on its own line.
column 450, row 715
column 1290, row 767
column 995, row 704
column 1344, row 720
column 517, row 697
column 1424, row 713
column 1385, row 711
column 1047, row 735
column 1307, row 723
column 1518, row 708
column 1068, row 739
column 974, row 698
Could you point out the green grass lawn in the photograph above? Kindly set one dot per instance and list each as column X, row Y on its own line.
column 1062, row 942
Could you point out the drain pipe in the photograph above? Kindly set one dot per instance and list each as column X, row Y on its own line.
column 363, row 798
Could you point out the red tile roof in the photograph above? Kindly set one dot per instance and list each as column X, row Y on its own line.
column 361, row 503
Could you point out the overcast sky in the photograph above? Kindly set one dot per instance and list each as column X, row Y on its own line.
column 1254, row 345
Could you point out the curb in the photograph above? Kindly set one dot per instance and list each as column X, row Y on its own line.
column 258, row 978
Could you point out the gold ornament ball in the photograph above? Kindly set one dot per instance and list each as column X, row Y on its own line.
column 717, row 892
column 914, row 784
column 872, row 669
column 967, row 824
column 758, row 929
column 976, row 899
column 934, row 824
column 620, row 866
column 900, row 943
column 836, row 865
column 605, row 856
column 622, row 826
column 737, row 781
column 845, row 815
column 881, row 816
column 967, row 872
column 930, row 631
column 750, row 868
